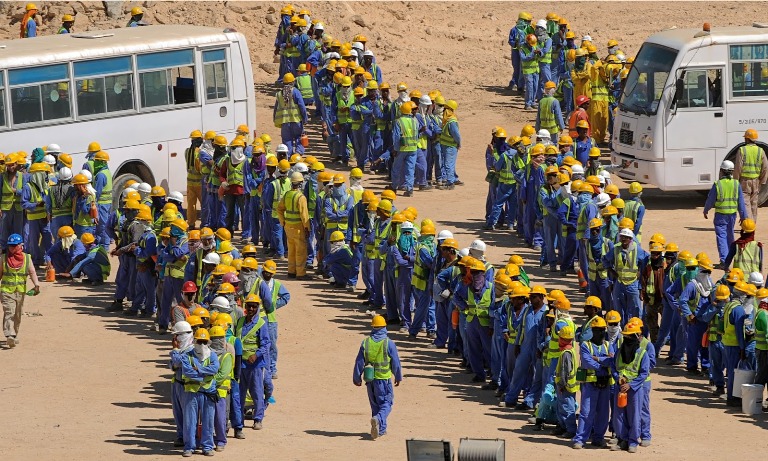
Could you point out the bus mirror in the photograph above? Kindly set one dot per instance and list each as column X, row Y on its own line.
column 678, row 91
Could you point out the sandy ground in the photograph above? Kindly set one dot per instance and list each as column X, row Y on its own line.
column 86, row 384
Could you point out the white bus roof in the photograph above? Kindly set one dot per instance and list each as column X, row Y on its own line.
column 678, row 38
column 99, row 43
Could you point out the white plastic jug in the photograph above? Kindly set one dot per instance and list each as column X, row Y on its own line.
column 751, row 398
column 742, row 377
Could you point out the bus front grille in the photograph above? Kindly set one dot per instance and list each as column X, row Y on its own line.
column 626, row 137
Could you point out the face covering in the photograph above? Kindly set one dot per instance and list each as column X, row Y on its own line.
column 219, row 345
column 691, row 273
column 194, row 245
column 749, row 305
column 337, row 192
column 704, row 280
column 612, row 332
column 563, row 343
column 584, row 198
column 208, row 244
column 372, row 215
column 185, row 340
column 478, row 281
column 202, row 351
column 402, row 96
column 581, row 61
column 67, row 242
column 336, row 246
column 598, row 334
column 405, row 242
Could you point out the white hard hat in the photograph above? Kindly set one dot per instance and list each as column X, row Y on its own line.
column 477, row 245
column 586, row 38
column 334, row 55
column 181, row 327
column 144, row 188
column 543, row 134
column 621, row 57
column 87, row 174
column 577, row 169
column 755, row 278
column 237, row 156
column 463, row 252
column 425, row 100
column 319, row 26
column 297, row 177
column 353, row 53
column 131, row 187
column 406, row 226
column 368, row 53
column 603, row 200
column 282, row 148
column 727, row 165
column 176, row 196
column 601, row 178
column 49, row 159
column 64, row 174
column 357, row 46
column 220, row 302
column 605, row 174
column 626, row 232
column 444, row 234
column 125, row 193
column 301, row 167
column 212, row 258
column 53, row 149
column 541, row 23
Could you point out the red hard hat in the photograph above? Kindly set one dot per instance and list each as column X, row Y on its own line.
column 581, row 99
column 230, row 277
column 189, row 287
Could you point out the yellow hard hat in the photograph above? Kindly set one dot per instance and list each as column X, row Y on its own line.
column 226, row 288
column 538, row 290
column 626, row 223
column 502, row 279
column 94, row 147
column 272, row 161
column 202, row 335
column 595, row 223
column 170, row 206
column 194, row 234
column 748, row 225
column 612, row 189
column 217, row 332
column 656, row 247
column 594, row 152
column 288, row 78
column 194, row 321
column 618, row 203
column 671, row 248
column 598, row 322
column 751, row 134
column 582, row 124
column 165, row 232
column 594, row 301
column 80, row 179
column 136, row 10
column 66, row 231
column 201, row 312
column 87, row 238
column 407, row 108
column 565, row 140
column 195, row 134
column 157, row 191
column 219, row 140
column 631, row 329
column 132, row 204
column 566, row 333
column 225, row 247
column 427, row 229
column 169, row 215
column 512, row 270
column 252, row 298
column 451, row 104
column 521, row 292
column 206, row 232
column 237, row 142
column 283, row 165
column 359, row 91
column 723, row 293
column 538, row 149
column 562, row 303
column 609, row 210
column 612, row 316
column 525, row 16
column 450, row 243
column 250, row 263
column 706, row 265
column 346, row 81
column 378, row 322
column 593, row 180
column 269, row 266
column 337, row 236
column 635, row 188
column 612, row 42
column 659, row 238
column 209, row 135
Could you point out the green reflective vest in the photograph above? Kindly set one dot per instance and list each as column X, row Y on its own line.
column 752, row 161
column 194, row 386
column 376, row 353
column 9, row 198
column 176, row 268
column 445, row 137
column 106, row 192
column 729, row 329
column 591, row 375
column 409, row 132
column 342, row 225
column 420, row 270
column 532, row 66
column 571, row 385
column 286, row 111
column 715, row 328
column 225, row 375
column 626, row 267
column 292, row 214
column 727, row 196
column 251, row 340
column 36, row 196
column 547, row 115
column 511, row 330
column 747, row 258
column 631, row 208
column 235, row 174
column 507, row 175
column 380, row 234
column 553, row 352
column 281, row 185
column 15, row 280
column 342, row 107
column 84, row 218
column 595, row 268
column 60, row 209
column 192, row 157
column 304, row 84
column 481, row 307
column 761, row 333
column 213, row 175
column 272, row 316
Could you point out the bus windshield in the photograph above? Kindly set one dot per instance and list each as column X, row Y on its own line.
column 647, row 78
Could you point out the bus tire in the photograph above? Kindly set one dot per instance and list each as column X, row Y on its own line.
column 118, row 185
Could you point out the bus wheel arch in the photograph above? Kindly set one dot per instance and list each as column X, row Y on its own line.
column 131, row 170
column 763, row 198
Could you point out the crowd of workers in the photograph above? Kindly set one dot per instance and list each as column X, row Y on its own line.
column 513, row 335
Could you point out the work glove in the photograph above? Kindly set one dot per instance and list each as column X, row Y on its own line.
column 445, row 294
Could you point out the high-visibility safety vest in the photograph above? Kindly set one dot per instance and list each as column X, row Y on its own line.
column 547, row 114
column 422, row 143
column 752, row 161
column 632, row 369
column 568, row 203
column 631, row 209
column 357, row 194
column 195, row 386
column 380, row 234
column 223, row 386
column 581, row 223
column 599, row 88
column 36, row 196
column 105, row 268
column 511, row 330
column 381, row 123
column 532, row 66
column 342, row 107
column 84, row 218
column 761, row 341
column 626, row 268
column 729, row 329
column 199, row 255
column 693, row 303
column 546, row 58
column 571, row 385
column 251, row 340
column 747, row 258
column 106, row 192
column 376, row 353
column 715, row 328
column 194, row 175
column 9, row 198
column 213, row 176
column 304, row 84
column 553, row 352
column 60, row 209
column 595, row 268
column 281, row 185
column 409, row 132
column 420, row 270
column 287, row 111
column 591, row 376
column 727, row 196
column 15, row 280
column 343, row 225
column 292, row 214
column 481, row 307
column 507, row 175
column 272, row 316
column 445, row 137
column 235, row 173
column 176, row 268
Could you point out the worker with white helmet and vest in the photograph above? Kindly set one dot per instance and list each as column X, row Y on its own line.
column 293, row 214
column 624, row 262
column 290, row 114
column 727, row 198
column 751, row 170
column 377, row 363
column 183, row 343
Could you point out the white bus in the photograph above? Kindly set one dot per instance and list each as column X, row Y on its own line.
column 687, row 101
column 137, row 91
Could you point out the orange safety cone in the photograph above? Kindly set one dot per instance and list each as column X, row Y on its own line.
column 50, row 275
column 582, row 281
column 455, row 318
column 304, row 140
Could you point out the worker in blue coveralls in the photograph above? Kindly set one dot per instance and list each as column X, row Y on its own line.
column 377, row 363
column 727, row 198
column 625, row 262
column 630, row 369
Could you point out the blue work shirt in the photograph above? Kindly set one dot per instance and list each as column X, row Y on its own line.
column 262, row 353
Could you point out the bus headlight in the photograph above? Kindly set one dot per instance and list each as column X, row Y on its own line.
column 646, row 141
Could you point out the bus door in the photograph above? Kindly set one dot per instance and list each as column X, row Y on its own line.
column 697, row 119
column 218, row 106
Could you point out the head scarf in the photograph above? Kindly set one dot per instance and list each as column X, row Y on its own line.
column 15, row 256
column 185, row 340
column 67, row 242
column 405, row 242
column 202, row 351
column 39, row 180
column 219, row 345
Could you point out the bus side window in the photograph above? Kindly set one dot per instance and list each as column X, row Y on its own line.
column 701, row 89
column 40, row 93
column 167, row 78
column 215, row 67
